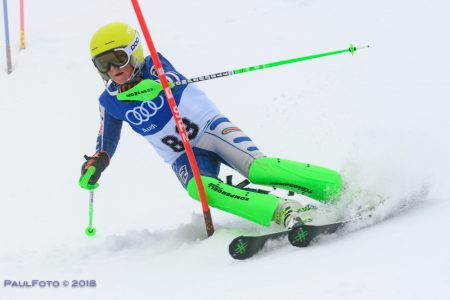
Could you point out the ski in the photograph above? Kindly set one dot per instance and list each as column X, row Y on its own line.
column 244, row 247
column 303, row 235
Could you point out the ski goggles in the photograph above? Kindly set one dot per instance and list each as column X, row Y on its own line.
column 118, row 57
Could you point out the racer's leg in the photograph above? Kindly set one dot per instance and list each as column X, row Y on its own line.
column 237, row 150
column 313, row 181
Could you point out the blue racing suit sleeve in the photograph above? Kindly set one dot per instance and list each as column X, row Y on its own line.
column 109, row 134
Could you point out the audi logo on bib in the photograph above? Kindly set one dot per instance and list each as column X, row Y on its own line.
column 145, row 111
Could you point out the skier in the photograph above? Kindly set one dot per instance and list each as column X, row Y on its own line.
column 117, row 53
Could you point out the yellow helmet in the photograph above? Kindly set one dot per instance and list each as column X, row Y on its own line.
column 116, row 44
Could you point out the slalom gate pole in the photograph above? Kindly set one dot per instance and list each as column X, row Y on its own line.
column 22, row 25
column 8, row 46
column 177, row 117
column 149, row 89
column 351, row 49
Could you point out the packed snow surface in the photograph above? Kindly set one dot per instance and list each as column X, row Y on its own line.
column 380, row 117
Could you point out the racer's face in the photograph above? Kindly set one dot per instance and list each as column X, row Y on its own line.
column 120, row 75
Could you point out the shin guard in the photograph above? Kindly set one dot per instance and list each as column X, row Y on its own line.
column 313, row 181
column 252, row 206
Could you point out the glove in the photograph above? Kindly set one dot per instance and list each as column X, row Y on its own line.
column 92, row 169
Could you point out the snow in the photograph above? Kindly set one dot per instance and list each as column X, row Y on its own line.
column 380, row 117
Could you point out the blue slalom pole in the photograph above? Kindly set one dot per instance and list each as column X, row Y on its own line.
column 8, row 46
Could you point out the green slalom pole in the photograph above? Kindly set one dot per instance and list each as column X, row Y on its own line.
column 148, row 89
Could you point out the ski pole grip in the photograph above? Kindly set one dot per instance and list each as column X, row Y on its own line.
column 84, row 179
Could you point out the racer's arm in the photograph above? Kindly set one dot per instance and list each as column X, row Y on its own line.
column 109, row 133
column 107, row 141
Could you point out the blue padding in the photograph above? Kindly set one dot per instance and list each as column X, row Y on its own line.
column 252, row 148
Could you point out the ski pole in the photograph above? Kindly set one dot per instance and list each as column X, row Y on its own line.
column 90, row 230
column 149, row 89
column 84, row 182
column 176, row 115
column 352, row 49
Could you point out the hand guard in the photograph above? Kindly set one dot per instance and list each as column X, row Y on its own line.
column 92, row 169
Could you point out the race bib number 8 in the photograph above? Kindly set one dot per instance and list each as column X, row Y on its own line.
column 174, row 142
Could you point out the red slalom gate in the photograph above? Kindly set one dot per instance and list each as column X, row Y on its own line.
column 22, row 26
column 176, row 116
